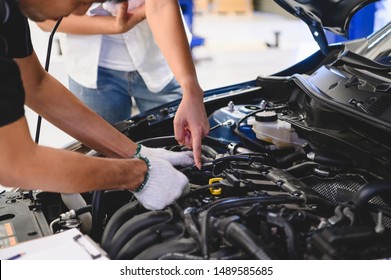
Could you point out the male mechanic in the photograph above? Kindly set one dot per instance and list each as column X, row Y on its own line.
column 148, row 172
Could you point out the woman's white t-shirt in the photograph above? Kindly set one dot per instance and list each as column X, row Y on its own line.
column 83, row 52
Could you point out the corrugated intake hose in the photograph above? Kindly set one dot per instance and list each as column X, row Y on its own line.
column 147, row 238
column 132, row 227
column 124, row 214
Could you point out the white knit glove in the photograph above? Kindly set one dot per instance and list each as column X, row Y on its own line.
column 163, row 185
column 112, row 7
column 175, row 158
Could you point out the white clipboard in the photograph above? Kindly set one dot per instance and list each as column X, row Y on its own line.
column 67, row 245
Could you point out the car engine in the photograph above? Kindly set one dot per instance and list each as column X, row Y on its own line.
column 261, row 199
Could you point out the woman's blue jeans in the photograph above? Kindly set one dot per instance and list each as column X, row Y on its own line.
column 112, row 100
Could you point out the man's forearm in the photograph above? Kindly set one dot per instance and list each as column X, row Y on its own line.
column 82, row 123
column 27, row 165
column 58, row 105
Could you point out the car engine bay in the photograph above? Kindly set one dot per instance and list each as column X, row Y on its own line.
column 298, row 167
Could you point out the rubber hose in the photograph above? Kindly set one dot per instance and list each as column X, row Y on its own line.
column 370, row 190
column 121, row 216
column 147, row 238
column 132, row 227
column 206, row 150
column 76, row 201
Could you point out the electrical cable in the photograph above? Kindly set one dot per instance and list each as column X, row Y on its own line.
column 47, row 63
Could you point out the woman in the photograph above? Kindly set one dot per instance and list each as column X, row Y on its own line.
column 108, row 65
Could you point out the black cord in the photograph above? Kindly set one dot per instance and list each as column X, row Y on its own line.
column 48, row 53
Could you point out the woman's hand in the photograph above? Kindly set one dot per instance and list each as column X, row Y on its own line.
column 125, row 19
column 191, row 122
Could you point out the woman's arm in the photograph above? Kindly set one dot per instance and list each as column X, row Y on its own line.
column 190, row 123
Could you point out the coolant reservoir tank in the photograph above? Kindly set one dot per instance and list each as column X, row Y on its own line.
column 269, row 128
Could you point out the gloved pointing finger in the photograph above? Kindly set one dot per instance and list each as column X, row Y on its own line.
column 182, row 159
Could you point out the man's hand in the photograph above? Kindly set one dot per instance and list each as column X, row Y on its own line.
column 163, row 185
column 191, row 123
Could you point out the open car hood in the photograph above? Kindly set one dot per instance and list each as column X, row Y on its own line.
column 333, row 15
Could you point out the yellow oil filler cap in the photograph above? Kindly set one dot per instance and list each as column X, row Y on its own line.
column 215, row 191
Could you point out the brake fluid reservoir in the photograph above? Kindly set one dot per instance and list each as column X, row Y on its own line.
column 269, row 128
